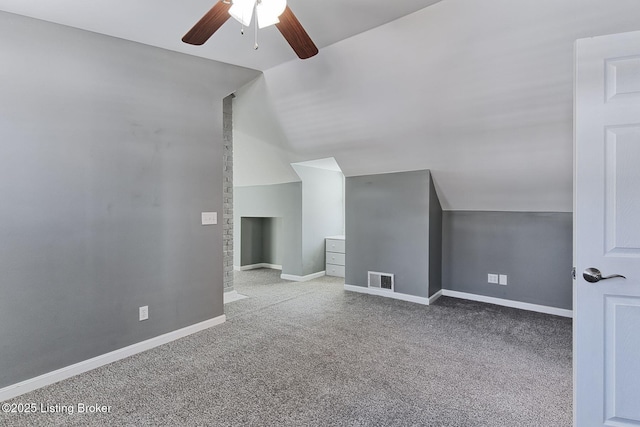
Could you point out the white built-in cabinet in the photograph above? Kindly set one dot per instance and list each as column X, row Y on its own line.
column 335, row 256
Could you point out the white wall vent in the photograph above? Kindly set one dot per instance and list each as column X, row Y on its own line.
column 381, row 280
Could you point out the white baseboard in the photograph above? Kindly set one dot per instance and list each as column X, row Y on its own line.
column 49, row 378
column 508, row 303
column 257, row 266
column 435, row 296
column 232, row 296
column 302, row 278
column 388, row 294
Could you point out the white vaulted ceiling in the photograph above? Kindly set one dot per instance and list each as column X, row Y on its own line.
column 478, row 91
column 162, row 23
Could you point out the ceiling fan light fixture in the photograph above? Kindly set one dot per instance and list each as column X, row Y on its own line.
column 271, row 12
column 242, row 11
column 268, row 12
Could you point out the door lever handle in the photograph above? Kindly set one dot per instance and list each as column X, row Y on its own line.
column 593, row 275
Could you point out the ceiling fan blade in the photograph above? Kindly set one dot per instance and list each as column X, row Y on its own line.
column 296, row 35
column 208, row 24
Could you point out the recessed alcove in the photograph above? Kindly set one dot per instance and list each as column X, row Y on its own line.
column 260, row 242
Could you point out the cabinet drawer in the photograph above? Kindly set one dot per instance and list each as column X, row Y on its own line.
column 335, row 258
column 334, row 270
column 334, row 245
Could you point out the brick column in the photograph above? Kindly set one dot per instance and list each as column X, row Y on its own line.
column 227, row 192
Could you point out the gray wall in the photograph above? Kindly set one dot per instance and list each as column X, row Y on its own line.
column 322, row 213
column 435, row 240
column 533, row 249
column 272, row 236
column 251, row 240
column 387, row 229
column 109, row 151
column 282, row 201
column 310, row 210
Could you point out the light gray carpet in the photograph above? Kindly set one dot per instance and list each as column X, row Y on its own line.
column 311, row 354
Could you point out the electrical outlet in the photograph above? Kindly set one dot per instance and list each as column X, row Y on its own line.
column 493, row 278
column 209, row 218
column 503, row 279
column 143, row 313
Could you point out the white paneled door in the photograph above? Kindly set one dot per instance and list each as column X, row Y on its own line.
column 607, row 231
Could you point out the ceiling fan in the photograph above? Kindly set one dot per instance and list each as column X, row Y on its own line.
column 268, row 12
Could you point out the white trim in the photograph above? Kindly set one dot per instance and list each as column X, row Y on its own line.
column 302, row 278
column 260, row 265
column 341, row 237
column 49, row 378
column 386, row 293
column 508, row 303
column 236, row 268
column 232, row 296
column 435, row 296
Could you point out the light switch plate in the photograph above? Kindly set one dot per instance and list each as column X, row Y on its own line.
column 492, row 278
column 209, row 218
column 503, row 279
column 143, row 313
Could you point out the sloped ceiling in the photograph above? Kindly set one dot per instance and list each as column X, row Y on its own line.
column 162, row 23
column 480, row 92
